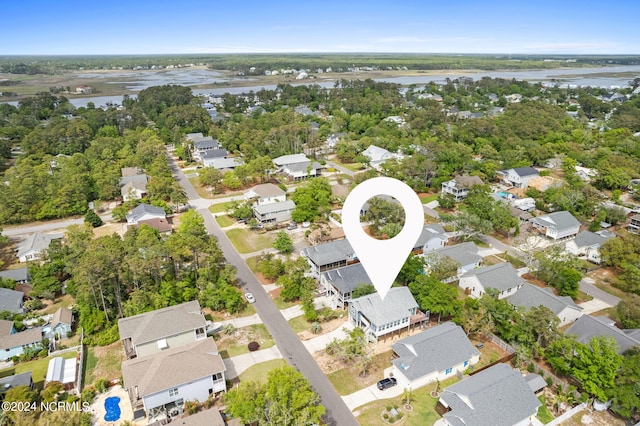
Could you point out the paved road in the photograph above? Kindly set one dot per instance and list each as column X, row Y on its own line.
column 54, row 225
column 292, row 349
column 586, row 285
column 341, row 168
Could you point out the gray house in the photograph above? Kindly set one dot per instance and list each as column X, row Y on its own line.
column 22, row 379
column 144, row 212
column 19, row 275
column 340, row 283
column 399, row 311
column 497, row 396
column 434, row 354
column 557, row 225
column 34, row 245
column 273, row 213
column 587, row 245
column 587, row 327
column 158, row 330
column 327, row 256
column 11, row 300
column 431, row 238
column 529, row 296
column 459, row 186
column 501, row 276
column 466, row 254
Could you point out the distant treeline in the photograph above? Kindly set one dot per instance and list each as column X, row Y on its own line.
column 244, row 62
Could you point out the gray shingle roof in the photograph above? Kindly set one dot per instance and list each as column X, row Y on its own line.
column 172, row 367
column 526, row 171
column 347, row 278
column 18, row 274
column 290, row 159
column 589, row 239
column 557, row 220
column 465, row 253
column 324, row 254
column 587, row 327
column 5, row 327
column 142, row 209
column 396, row 306
column 11, row 300
column 433, row 350
column 161, row 323
column 36, row 242
column 26, row 337
column 275, row 207
column 135, row 179
column 434, row 230
column 501, row 276
column 62, row 316
column 214, row 153
column 496, row 396
column 530, row 296
column 206, row 142
column 535, row 382
column 303, row 167
column 467, row 181
column 209, row 417
column 267, row 190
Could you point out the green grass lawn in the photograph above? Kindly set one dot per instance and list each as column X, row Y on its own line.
column 38, row 369
column 202, row 191
column 225, row 221
column 427, row 198
column 517, row 263
column 258, row 373
column 248, row 241
column 236, row 343
column 90, row 363
column 543, row 412
column 252, row 263
column 281, row 304
column 348, row 380
column 221, row 207
column 299, row 324
column 354, row 167
column 423, row 408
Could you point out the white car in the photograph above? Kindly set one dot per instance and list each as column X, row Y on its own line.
column 250, row 298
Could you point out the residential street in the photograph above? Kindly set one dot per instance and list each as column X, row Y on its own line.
column 290, row 346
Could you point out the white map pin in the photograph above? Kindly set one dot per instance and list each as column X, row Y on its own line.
column 382, row 259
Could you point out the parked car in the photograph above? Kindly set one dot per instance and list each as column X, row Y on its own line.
column 250, row 298
column 387, row 383
column 292, row 226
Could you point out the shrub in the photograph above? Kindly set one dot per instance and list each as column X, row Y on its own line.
column 191, row 407
column 531, row 367
column 101, row 385
column 88, row 394
column 385, row 416
column 316, row 328
column 549, row 381
column 92, row 218
column 253, row 346
column 228, row 329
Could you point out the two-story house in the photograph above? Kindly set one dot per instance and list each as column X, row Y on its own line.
column 377, row 156
column 297, row 166
column 587, row 244
column 459, row 186
column 431, row 238
column 377, row 318
column 328, row 256
column 466, row 255
column 634, row 224
column 159, row 330
column 133, row 184
column 266, row 193
column 518, row 177
column 35, row 245
column 339, row 283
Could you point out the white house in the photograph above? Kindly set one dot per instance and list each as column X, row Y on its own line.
column 460, row 186
column 432, row 237
column 297, row 166
column 377, row 318
column 339, row 283
column 587, row 244
column 272, row 213
column 557, row 225
column 501, row 276
column 145, row 212
column 213, row 156
column 465, row 254
column 377, row 156
column 586, row 327
column 529, row 296
column 266, row 193
column 519, row 177
column 434, row 354
column 35, row 245
column 160, row 383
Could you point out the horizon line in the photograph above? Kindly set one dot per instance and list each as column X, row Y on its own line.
column 320, row 53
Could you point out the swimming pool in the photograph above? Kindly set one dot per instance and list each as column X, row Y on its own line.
column 112, row 406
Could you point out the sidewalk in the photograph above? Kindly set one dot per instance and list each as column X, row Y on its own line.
column 243, row 321
column 239, row 364
column 296, row 311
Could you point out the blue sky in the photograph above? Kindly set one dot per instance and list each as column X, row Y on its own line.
column 208, row 26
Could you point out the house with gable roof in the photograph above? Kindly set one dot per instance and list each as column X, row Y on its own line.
column 434, row 354
column 497, row 396
column 339, row 284
column 460, row 185
column 159, row 384
column 557, row 225
column 399, row 311
column 11, row 300
column 297, row 166
column 518, row 177
column 328, row 256
column 156, row 331
column 22, row 379
column 529, row 296
column 34, row 245
column 465, row 254
column 432, row 237
column 14, row 344
column 587, row 326
column 145, row 212
column 133, row 184
column 501, row 276
column 587, row 245
column 377, row 156
column 19, row 275
column 266, row 193
column 210, row 157
column 60, row 325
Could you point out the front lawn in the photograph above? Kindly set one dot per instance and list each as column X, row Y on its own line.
column 202, row 191
column 281, row 304
column 354, row 167
column 258, row 373
column 427, row 198
column 348, row 380
column 221, row 207
column 423, row 406
column 248, row 241
column 38, row 368
column 235, row 343
column 225, row 221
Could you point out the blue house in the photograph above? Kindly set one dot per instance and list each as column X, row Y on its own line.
column 13, row 344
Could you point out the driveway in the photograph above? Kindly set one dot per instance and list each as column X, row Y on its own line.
column 369, row 394
column 239, row 364
column 587, row 286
